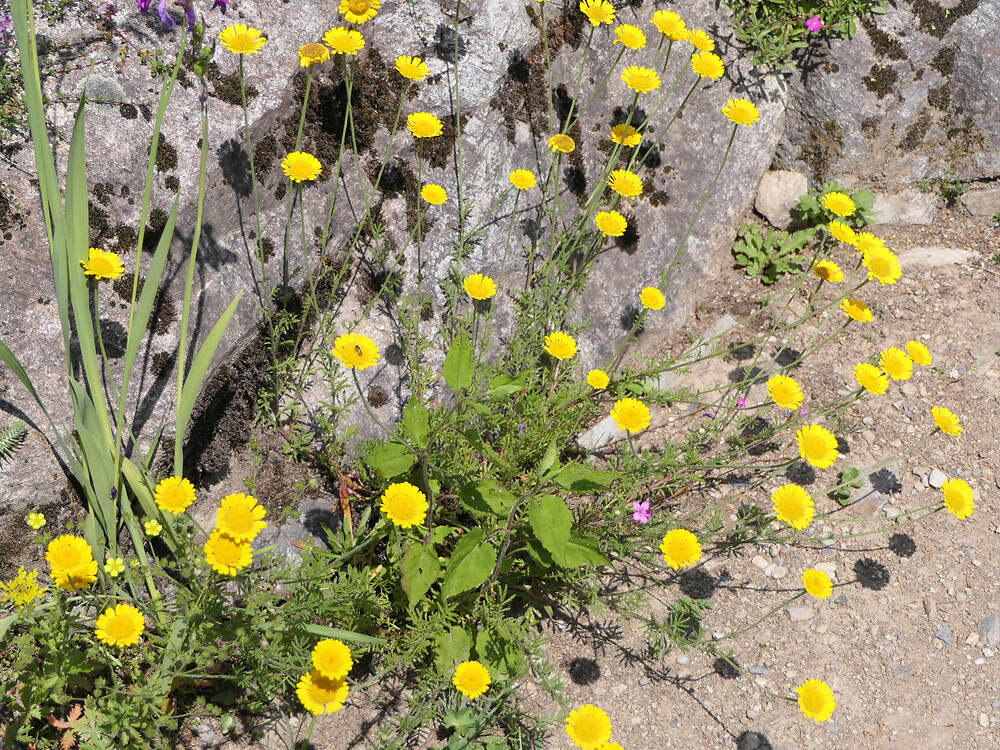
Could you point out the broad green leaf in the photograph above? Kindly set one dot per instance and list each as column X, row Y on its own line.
column 504, row 385
column 419, row 570
column 416, row 422
column 581, row 551
column 551, row 521
column 471, row 564
column 497, row 653
column 390, row 459
column 195, row 378
column 582, row 478
column 487, row 496
column 451, row 648
column 459, row 365
column 549, row 460
column 482, row 409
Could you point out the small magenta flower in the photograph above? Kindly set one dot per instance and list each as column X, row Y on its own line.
column 642, row 512
column 814, row 24
column 741, row 402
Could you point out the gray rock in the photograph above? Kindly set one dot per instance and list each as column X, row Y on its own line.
column 944, row 634
column 757, row 670
column 982, row 202
column 937, row 478
column 989, row 629
column 912, row 96
column 600, row 435
column 932, row 256
column 778, row 193
column 906, row 207
column 800, row 613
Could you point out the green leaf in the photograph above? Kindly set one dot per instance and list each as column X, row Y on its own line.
column 459, row 365
column 451, row 648
column 419, row 570
column 582, row 478
column 498, row 653
column 390, row 459
column 416, row 422
column 471, row 564
column 580, row 551
column 503, row 386
column 551, row 521
column 345, row 635
column 195, row 378
column 486, row 497
column 549, row 460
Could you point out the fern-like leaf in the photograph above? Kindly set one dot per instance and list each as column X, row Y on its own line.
column 11, row 439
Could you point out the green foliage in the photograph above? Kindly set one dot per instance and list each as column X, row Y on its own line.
column 812, row 213
column 952, row 187
column 768, row 257
column 774, row 31
column 11, row 438
column 849, row 479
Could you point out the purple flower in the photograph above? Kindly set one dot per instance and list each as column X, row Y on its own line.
column 144, row 4
column 6, row 27
column 165, row 18
column 814, row 24
column 741, row 402
column 188, row 13
column 222, row 5
column 642, row 512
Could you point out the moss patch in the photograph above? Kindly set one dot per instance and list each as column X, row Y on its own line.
column 823, row 145
column 939, row 97
column 869, row 127
column 880, row 80
column 915, row 133
column 166, row 155
column 944, row 61
column 885, row 45
column 935, row 20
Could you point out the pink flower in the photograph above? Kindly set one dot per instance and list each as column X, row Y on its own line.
column 803, row 411
column 814, row 24
column 741, row 402
column 642, row 512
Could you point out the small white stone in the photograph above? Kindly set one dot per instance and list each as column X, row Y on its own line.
column 937, row 478
column 799, row 613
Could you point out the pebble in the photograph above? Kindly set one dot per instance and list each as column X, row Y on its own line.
column 930, row 607
column 989, row 630
column 987, row 652
column 841, row 600
column 683, row 659
column 760, row 562
column 776, row 572
column 972, row 639
column 944, row 634
column 830, row 568
column 920, row 471
column 891, row 512
column 800, row 613
column 757, row 670
column 984, row 720
column 937, row 478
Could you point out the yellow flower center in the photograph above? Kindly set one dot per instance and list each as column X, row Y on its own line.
column 238, row 519
column 120, row 627
column 227, row 552
column 358, row 6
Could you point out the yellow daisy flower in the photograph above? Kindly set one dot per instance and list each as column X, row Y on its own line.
column 671, row 25
column 332, row 659
column 560, row 345
column 857, row 310
column 741, row 112
column 828, row 271
column 562, row 143
column 321, row 695
column 598, row 379
column 120, row 626
column 883, row 265
column 793, row 505
column 866, row 242
column 471, row 679
column 174, row 495
column 355, row 350
column 359, row 11
column 241, row 39
column 312, row 53
column 523, row 179
column 871, row 378
column 708, row 65
column 479, row 286
column 611, row 223
column 817, row 445
column 102, row 264
column 701, row 41
column 947, row 421
column 300, row 166
column 424, row 125
column 919, row 353
column 344, row 41
column 226, row 555
column 626, row 134
column 630, row 36
column 626, row 183
column 641, row 80
column 71, row 562
column 816, row 700
column 240, row 517
column 817, row 583
column 680, row 548
column 589, row 727
column 631, row 414
column 652, row 298
column 958, row 498
column 896, row 364
column 598, row 11
column 785, row 392
column 413, row 68
column 404, row 504
column 838, row 203
column 434, row 194
column 843, row 232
